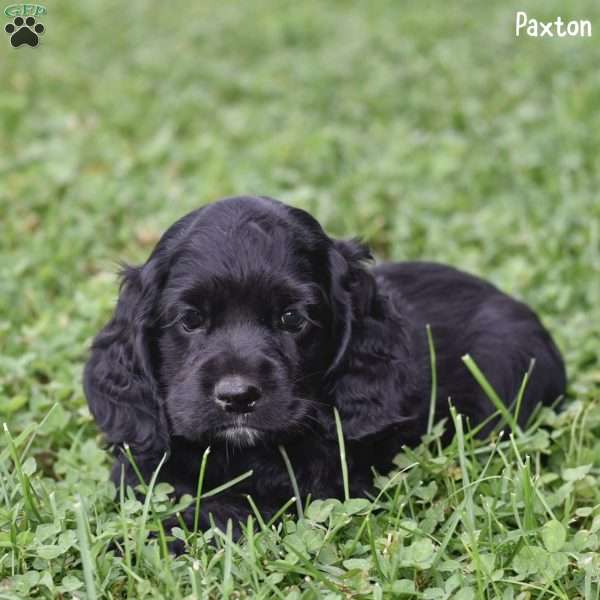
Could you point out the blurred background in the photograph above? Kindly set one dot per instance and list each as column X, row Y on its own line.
column 427, row 128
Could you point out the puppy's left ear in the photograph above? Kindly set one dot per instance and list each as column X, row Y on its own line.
column 352, row 291
column 366, row 384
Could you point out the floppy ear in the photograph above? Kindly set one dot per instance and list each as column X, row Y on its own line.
column 352, row 291
column 369, row 379
column 118, row 380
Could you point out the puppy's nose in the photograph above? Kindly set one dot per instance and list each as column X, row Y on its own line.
column 235, row 393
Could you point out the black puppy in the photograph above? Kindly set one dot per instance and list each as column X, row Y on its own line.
column 248, row 324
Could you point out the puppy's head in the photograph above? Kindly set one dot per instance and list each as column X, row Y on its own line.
column 229, row 330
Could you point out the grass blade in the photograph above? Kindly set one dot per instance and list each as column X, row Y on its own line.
column 84, row 548
column 491, row 393
column 340, row 436
column 199, row 496
column 227, row 560
column 26, row 487
column 290, row 470
column 433, row 398
column 522, row 389
column 230, row 483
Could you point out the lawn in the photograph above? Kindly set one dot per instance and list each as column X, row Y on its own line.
column 426, row 128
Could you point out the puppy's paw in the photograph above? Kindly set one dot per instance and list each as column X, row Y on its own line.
column 177, row 547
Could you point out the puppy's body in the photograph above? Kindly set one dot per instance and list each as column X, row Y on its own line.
column 468, row 315
column 248, row 324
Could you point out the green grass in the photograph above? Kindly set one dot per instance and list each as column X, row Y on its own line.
column 427, row 128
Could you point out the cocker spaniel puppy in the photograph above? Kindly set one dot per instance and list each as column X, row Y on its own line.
column 248, row 325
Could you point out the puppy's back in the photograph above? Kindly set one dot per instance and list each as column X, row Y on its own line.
column 468, row 315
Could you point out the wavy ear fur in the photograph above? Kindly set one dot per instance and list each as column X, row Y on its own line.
column 352, row 290
column 118, row 380
column 370, row 367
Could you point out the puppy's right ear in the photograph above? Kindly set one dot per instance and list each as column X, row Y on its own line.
column 120, row 387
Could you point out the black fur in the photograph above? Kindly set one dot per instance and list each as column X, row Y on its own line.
column 241, row 263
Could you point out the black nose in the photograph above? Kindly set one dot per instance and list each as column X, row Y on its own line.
column 235, row 393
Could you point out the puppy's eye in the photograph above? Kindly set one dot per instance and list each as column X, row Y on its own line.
column 192, row 319
column 292, row 321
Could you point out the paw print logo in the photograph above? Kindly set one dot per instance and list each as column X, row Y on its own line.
column 24, row 31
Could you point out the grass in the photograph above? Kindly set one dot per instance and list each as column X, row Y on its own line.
column 428, row 129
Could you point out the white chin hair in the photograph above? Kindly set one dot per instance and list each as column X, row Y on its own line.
column 244, row 436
